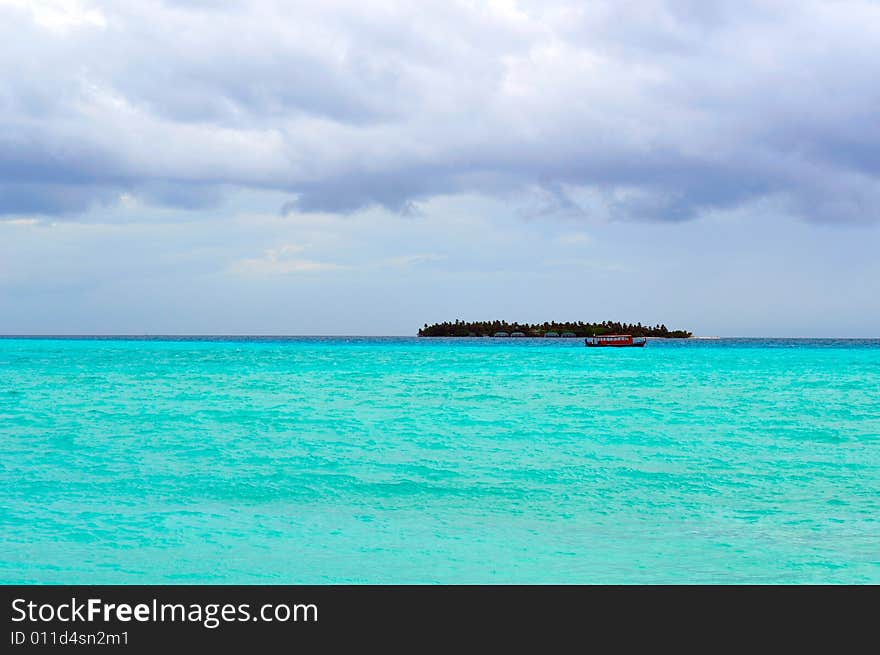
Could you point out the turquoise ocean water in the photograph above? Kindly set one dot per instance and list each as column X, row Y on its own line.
column 397, row 460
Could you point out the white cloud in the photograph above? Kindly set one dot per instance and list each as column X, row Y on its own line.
column 404, row 261
column 59, row 16
column 575, row 239
column 282, row 261
column 20, row 221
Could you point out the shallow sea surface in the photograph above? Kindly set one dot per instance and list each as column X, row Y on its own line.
column 398, row 460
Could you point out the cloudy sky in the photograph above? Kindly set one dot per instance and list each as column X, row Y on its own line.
column 342, row 167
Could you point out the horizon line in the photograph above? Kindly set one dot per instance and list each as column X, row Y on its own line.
column 72, row 335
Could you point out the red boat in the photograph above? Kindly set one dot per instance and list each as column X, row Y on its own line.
column 615, row 341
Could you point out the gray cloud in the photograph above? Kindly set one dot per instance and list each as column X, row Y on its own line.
column 660, row 111
column 49, row 198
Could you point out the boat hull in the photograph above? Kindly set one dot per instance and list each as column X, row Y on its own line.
column 615, row 341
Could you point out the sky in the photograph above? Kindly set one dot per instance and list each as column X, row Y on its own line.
column 267, row 167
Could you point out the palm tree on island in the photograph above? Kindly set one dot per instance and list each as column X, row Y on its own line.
column 459, row 328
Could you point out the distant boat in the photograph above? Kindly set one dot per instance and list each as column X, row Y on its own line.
column 615, row 341
column 501, row 334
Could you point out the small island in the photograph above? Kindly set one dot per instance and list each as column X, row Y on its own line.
column 547, row 330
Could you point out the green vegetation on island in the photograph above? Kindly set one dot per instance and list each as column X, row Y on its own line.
column 552, row 329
